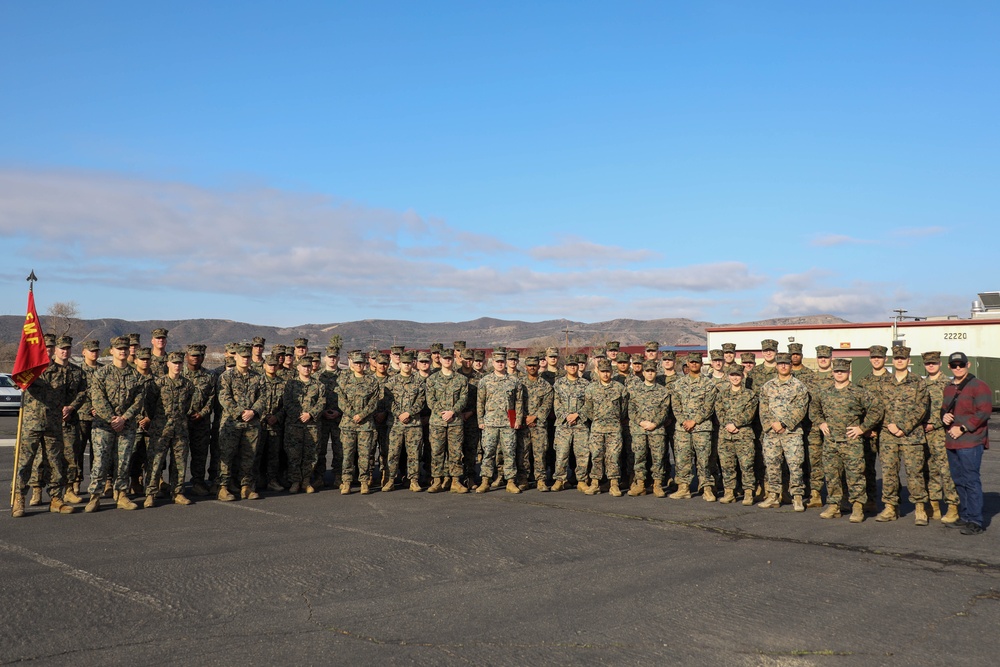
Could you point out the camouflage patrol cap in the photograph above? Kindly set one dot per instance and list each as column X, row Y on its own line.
column 458, row 345
column 159, row 333
column 795, row 348
column 301, row 342
column 581, row 359
column 735, row 369
column 436, row 347
column 669, row 355
column 243, row 350
column 64, row 341
column 824, row 351
column 120, row 343
column 134, row 339
column 900, row 352
column 192, row 350
column 175, row 358
column 279, row 349
column 333, row 351
column 271, row 360
column 652, row 346
column 769, row 345
column 638, row 358
column 424, row 356
column 599, row 354
column 571, row 360
column 877, row 351
column 448, row 353
column 396, row 349
column 649, row 365
column 842, row 364
column 513, row 354
column 406, row 357
column 613, row 345
column 479, row 355
column 92, row 345
column 230, row 348
column 552, row 352
column 382, row 358
column 258, row 341
column 695, row 358
column 931, row 357
column 50, row 340
column 499, row 356
column 622, row 358
column 715, row 355
column 372, row 354
column 202, row 348
column 603, row 364
column 748, row 358
column 783, row 358
column 467, row 354
column 531, row 361
column 729, row 347
column 356, row 357
column 305, row 360
column 144, row 353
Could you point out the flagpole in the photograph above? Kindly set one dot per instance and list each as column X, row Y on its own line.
column 20, row 416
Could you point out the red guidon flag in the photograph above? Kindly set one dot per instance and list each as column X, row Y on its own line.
column 32, row 357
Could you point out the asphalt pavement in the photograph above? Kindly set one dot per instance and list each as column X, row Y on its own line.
column 536, row 578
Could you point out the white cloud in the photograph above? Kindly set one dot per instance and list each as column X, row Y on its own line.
column 830, row 240
column 577, row 252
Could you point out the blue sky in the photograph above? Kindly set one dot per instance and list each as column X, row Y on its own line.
column 323, row 162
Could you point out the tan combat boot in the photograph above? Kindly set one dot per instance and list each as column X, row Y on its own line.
column 814, row 499
column 708, row 494
column 887, row 514
column 582, row 486
column 181, row 499
column 308, row 487
column 345, row 488
column 683, row 492
column 770, row 501
column 252, row 494
column 365, row 490
column 658, row 489
column 125, row 503
column 614, row 490
column 638, row 488
column 857, row 513
column 522, row 483
column 919, row 515
column 831, row 512
column 542, row 486
column 797, row 504
column 36, row 496
column 94, row 504
column 59, row 507
column 951, row 516
column 415, row 486
column 70, row 496
column 728, row 497
column 294, row 488
column 109, row 490
column 457, row 486
column 748, row 498
column 594, row 488
column 150, row 501
column 484, row 486
column 244, row 492
column 389, row 486
column 273, row 485
column 558, row 485
column 224, row 494
column 437, row 486
column 512, row 487
column 17, row 509
column 498, row 482
column 935, row 510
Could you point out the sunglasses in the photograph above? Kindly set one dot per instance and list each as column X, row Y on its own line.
column 956, row 364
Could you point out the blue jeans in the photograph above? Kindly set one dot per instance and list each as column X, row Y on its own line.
column 964, row 465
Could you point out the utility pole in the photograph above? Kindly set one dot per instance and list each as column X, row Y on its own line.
column 567, row 331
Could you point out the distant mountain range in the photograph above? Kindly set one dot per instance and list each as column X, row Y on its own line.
column 482, row 333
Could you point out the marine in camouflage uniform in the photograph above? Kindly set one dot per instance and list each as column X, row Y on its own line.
column 812, row 435
column 667, row 377
column 939, row 482
column 91, row 351
column 137, row 470
column 694, row 409
column 784, row 401
column 329, row 425
column 648, row 407
column 240, row 394
column 407, row 397
column 471, row 435
column 843, row 411
column 76, row 395
column 118, row 397
column 447, row 395
column 358, row 395
column 874, row 383
column 170, row 399
column 158, row 353
column 257, row 355
column 302, row 402
column 907, row 403
column 535, row 434
column 606, row 403
column 381, row 418
column 499, row 393
column 735, row 410
column 572, row 433
column 272, row 425
column 200, row 422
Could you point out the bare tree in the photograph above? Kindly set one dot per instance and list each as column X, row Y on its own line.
column 64, row 314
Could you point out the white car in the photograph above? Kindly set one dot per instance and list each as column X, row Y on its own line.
column 10, row 395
